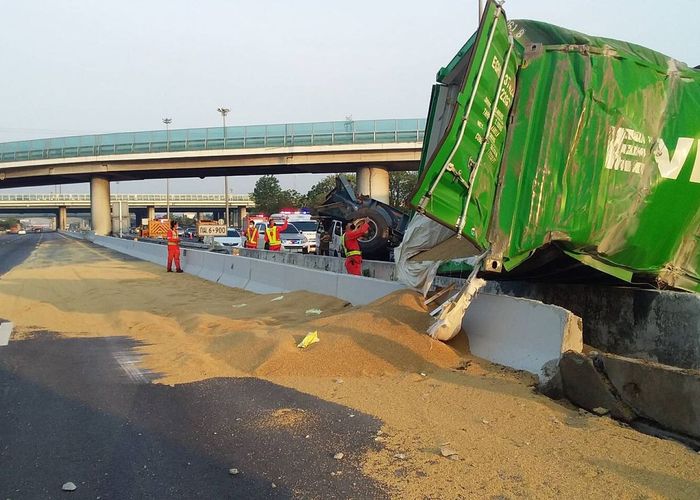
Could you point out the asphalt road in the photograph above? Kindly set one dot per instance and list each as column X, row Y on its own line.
column 14, row 248
column 80, row 410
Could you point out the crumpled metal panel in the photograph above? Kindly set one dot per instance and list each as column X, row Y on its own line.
column 601, row 160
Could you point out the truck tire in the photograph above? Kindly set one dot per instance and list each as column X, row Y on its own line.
column 376, row 244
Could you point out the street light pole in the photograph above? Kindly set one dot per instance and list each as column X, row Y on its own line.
column 167, row 122
column 224, row 112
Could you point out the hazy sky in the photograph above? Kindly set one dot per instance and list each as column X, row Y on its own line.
column 80, row 67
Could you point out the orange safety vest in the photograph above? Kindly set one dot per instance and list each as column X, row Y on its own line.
column 251, row 235
column 272, row 236
column 173, row 238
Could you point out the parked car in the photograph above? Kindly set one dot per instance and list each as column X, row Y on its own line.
column 22, row 231
column 232, row 239
column 190, row 233
column 293, row 239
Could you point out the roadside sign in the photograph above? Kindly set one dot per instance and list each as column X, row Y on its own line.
column 211, row 230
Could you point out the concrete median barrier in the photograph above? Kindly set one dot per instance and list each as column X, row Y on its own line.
column 212, row 266
column 192, row 261
column 236, row 272
column 267, row 277
column 299, row 278
column 259, row 276
column 521, row 333
column 359, row 290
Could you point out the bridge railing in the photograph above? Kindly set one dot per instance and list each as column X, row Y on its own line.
column 201, row 139
column 158, row 198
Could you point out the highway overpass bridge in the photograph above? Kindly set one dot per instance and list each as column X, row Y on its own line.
column 371, row 148
column 142, row 205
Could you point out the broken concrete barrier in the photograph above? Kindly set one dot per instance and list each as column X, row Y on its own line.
column 665, row 394
column 586, row 387
column 632, row 388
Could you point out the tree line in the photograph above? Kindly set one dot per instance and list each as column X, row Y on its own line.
column 269, row 197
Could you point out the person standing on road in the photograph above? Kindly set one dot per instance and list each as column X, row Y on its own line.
column 272, row 235
column 251, row 235
column 173, row 248
column 351, row 246
column 324, row 242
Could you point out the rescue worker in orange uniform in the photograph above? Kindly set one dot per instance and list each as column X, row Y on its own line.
column 173, row 248
column 272, row 235
column 251, row 235
column 351, row 246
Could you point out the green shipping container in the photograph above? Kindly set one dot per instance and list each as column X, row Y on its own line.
column 544, row 145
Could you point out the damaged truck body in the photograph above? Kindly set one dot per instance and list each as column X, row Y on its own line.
column 548, row 150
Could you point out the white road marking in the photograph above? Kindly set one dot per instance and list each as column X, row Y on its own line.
column 5, row 332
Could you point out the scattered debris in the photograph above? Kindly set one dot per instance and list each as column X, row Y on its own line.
column 313, row 311
column 277, row 298
column 352, row 415
column 339, row 456
column 233, row 472
column 464, row 364
column 379, row 439
column 400, row 456
column 600, row 411
column 449, row 453
column 307, row 436
column 238, row 305
column 484, row 421
column 69, row 486
column 311, row 338
column 274, row 485
column 422, row 374
column 338, row 381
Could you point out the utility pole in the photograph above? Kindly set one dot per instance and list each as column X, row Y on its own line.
column 167, row 122
column 224, row 112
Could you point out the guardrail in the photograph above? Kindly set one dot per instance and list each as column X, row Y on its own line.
column 213, row 138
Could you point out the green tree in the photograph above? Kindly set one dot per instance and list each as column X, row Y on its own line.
column 7, row 223
column 289, row 198
column 267, row 194
column 401, row 186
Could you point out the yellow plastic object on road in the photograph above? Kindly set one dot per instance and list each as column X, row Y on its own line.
column 311, row 338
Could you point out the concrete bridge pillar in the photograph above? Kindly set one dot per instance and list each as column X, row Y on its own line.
column 373, row 182
column 62, row 219
column 100, row 210
column 242, row 213
column 151, row 212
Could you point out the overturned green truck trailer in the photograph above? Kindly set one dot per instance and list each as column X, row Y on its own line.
column 545, row 146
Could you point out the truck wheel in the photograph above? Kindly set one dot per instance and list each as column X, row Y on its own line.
column 376, row 243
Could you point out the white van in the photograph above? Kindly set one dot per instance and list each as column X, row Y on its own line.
column 304, row 223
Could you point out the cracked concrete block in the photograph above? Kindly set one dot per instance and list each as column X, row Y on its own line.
column 586, row 387
column 665, row 394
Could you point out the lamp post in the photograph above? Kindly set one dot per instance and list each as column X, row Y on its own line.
column 167, row 122
column 224, row 112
